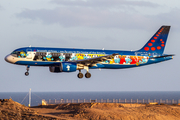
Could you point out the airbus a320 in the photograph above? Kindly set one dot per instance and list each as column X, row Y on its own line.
column 70, row 59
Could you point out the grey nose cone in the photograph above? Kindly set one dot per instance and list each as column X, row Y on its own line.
column 6, row 58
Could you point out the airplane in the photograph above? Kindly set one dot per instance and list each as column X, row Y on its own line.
column 69, row 59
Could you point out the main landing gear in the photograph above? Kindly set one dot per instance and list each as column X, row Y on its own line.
column 27, row 73
column 80, row 75
column 87, row 75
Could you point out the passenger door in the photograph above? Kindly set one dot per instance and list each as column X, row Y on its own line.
column 30, row 54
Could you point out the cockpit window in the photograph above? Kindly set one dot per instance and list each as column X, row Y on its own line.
column 15, row 53
column 19, row 54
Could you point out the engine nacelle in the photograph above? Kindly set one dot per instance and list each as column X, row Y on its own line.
column 64, row 67
column 68, row 67
column 54, row 69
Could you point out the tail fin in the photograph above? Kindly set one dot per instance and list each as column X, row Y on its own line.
column 158, row 41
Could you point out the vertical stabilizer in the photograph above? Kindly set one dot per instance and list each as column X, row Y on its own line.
column 158, row 41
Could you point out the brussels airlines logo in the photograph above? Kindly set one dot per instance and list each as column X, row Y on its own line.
column 68, row 68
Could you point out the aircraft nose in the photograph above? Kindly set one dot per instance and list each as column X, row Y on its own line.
column 9, row 58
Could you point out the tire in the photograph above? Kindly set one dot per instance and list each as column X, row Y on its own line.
column 80, row 75
column 88, row 75
column 26, row 73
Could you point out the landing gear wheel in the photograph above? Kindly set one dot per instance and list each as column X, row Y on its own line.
column 26, row 73
column 88, row 75
column 27, row 68
column 80, row 75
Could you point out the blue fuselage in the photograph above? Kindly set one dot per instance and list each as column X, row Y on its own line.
column 42, row 56
column 70, row 60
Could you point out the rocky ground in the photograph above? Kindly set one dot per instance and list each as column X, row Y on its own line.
column 89, row 111
column 11, row 110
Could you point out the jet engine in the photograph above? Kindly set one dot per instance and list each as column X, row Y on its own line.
column 64, row 67
column 54, row 69
column 68, row 67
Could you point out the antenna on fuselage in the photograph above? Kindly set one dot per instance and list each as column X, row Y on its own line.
column 103, row 49
column 30, row 46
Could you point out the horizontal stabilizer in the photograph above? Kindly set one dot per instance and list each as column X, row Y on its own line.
column 161, row 56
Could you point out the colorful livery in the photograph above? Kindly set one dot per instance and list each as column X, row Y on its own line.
column 70, row 60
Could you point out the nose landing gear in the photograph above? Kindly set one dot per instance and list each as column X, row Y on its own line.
column 27, row 73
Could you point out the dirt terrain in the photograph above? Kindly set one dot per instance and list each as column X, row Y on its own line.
column 89, row 111
column 11, row 110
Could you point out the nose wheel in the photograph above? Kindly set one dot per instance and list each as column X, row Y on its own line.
column 27, row 73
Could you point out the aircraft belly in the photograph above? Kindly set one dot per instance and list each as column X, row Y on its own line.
column 36, row 63
column 115, row 66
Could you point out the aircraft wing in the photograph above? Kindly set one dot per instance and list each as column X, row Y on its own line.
column 94, row 61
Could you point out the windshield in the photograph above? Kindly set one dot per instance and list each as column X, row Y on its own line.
column 19, row 54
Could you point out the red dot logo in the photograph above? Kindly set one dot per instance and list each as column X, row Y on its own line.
column 152, row 40
column 162, row 42
column 159, row 33
column 161, row 30
column 155, row 37
column 153, row 48
column 146, row 48
column 161, row 39
column 162, row 45
column 158, row 47
column 150, row 44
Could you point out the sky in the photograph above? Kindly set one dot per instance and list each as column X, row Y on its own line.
column 91, row 24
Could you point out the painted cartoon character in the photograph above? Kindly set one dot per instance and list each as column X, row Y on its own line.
column 117, row 59
column 94, row 56
column 22, row 54
column 107, row 61
column 143, row 60
column 85, row 56
column 128, row 60
column 62, row 57
column 73, row 57
column 48, row 57
column 79, row 56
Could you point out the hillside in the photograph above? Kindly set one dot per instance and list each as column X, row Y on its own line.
column 116, row 111
column 89, row 111
column 11, row 110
